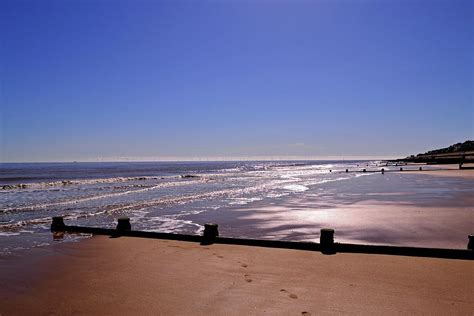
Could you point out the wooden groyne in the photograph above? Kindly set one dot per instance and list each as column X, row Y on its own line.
column 211, row 236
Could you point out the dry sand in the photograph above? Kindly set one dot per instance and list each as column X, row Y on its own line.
column 132, row 276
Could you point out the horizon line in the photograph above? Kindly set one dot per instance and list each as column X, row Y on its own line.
column 209, row 159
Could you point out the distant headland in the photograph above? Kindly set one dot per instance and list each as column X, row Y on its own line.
column 459, row 153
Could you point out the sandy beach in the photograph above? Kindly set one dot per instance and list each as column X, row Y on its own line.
column 106, row 276
column 449, row 170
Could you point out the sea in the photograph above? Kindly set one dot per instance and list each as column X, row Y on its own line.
column 283, row 200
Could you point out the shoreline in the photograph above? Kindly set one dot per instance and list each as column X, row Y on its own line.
column 465, row 174
column 140, row 276
column 447, row 170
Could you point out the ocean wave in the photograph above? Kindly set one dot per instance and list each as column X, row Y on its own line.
column 79, row 182
column 132, row 207
column 172, row 224
column 18, row 225
column 185, row 199
column 271, row 188
column 8, row 234
column 102, row 196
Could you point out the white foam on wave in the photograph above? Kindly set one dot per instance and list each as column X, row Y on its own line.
column 16, row 226
column 173, row 223
column 296, row 187
column 277, row 195
column 7, row 234
column 81, row 182
column 289, row 176
column 244, row 201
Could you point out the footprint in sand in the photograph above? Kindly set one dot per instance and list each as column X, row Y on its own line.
column 305, row 313
column 244, row 265
column 294, row 296
column 247, row 278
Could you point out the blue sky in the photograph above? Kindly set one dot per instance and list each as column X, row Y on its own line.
column 88, row 80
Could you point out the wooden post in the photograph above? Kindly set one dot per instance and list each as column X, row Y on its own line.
column 363, row 170
column 421, row 169
column 470, row 244
column 383, row 170
column 347, row 170
column 326, row 240
column 57, row 225
column 124, row 224
column 401, row 169
column 211, row 231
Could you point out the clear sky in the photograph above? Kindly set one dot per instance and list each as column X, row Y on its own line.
column 87, row 80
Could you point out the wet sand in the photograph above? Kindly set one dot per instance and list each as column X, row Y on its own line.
column 132, row 276
column 410, row 208
column 467, row 174
column 366, row 222
column 448, row 170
